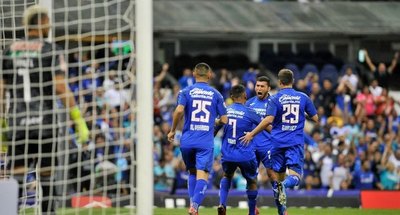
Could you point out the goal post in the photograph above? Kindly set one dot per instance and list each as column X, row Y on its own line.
column 144, row 59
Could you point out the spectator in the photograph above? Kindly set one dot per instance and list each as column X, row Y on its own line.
column 341, row 177
column 365, row 179
column 350, row 79
column 390, row 178
column 365, row 104
column 381, row 74
column 187, row 78
column 375, row 89
column 325, row 165
column 310, row 173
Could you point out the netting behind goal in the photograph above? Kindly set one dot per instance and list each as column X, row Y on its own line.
column 98, row 46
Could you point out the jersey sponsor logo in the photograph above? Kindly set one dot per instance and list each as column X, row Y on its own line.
column 284, row 99
column 200, row 93
column 26, row 46
column 235, row 113
column 25, row 49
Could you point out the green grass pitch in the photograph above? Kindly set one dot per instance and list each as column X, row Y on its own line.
column 230, row 211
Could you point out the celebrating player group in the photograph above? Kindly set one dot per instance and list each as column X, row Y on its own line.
column 265, row 129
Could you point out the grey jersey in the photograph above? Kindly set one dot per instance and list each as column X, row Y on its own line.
column 28, row 69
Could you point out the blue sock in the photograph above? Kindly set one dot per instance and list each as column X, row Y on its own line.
column 224, row 187
column 199, row 191
column 291, row 181
column 191, row 185
column 280, row 207
column 252, row 196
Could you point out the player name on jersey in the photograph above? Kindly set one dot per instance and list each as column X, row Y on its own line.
column 194, row 127
column 289, row 127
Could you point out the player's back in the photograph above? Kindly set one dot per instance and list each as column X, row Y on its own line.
column 289, row 107
column 260, row 107
column 203, row 104
column 241, row 119
column 28, row 70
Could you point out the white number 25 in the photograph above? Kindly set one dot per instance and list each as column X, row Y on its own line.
column 200, row 113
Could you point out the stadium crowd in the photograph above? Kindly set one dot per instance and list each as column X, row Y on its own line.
column 356, row 144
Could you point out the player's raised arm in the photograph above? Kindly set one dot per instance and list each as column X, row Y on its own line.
column 67, row 98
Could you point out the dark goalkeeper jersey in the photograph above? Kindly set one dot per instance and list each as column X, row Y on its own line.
column 28, row 70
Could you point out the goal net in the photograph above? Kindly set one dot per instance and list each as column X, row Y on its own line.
column 96, row 41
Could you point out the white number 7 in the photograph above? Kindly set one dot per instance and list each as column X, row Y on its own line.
column 27, row 84
column 233, row 123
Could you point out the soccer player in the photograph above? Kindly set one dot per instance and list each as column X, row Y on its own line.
column 33, row 73
column 201, row 104
column 286, row 112
column 241, row 119
column 259, row 103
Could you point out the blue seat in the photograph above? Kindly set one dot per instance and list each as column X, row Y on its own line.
column 308, row 68
column 330, row 72
column 295, row 69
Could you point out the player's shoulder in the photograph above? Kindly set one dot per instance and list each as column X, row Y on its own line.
column 251, row 100
column 275, row 97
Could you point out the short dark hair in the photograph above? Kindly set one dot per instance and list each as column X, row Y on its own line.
column 285, row 76
column 264, row 79
column 202, row 69
column 237, row 91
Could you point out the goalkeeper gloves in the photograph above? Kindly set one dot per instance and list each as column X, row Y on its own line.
column 81, row 128
column 3, row 134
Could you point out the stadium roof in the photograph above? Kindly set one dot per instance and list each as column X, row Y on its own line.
column 204, row 18
column 249, row 18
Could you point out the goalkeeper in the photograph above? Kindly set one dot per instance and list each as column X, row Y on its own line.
column 32, row 72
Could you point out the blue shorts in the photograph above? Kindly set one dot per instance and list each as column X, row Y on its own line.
column 263, row 156
column 249, row 168
column 198, row 158
column 291, row 157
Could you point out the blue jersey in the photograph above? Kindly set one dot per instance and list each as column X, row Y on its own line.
column 263, row 139
column 288, row 107
column 241, row 119
column 203, row 104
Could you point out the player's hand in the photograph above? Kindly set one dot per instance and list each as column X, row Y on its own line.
column 3, row 129
column 82, row 131
column 246, row 138
column 81, row 128
column 171, row 136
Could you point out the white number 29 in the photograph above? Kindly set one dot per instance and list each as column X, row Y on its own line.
column 200, row 113
column 291, row 109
